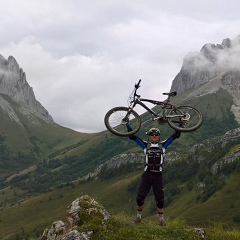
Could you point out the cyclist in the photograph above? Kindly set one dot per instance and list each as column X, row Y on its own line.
column 152, row 177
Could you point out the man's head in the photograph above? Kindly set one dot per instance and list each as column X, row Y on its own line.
column 154, row 135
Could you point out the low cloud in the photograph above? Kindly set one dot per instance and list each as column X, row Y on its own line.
column 78, row 90
column 84, row 57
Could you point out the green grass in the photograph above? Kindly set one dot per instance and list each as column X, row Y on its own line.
column 37, row 213
column 150, row 229
column 220, row 208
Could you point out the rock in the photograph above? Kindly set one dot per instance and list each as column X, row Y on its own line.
column 212, row 60
column 200, row 231
column 14, row 84
column 81, row 211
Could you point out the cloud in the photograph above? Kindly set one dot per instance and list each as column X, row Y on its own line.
column 78, row 90
column 84, row 57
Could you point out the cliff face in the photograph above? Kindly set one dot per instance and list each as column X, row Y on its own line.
column 14, row 84
column 214, row 67
column 212, row 61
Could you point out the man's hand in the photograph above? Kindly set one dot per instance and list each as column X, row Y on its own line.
column 177, row 134
column 132, row 137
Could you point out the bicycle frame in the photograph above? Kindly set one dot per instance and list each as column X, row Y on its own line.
column 163, row 115
column 139, row 101
column 181, row 118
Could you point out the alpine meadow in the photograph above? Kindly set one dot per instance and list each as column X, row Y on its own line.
column 44, row 167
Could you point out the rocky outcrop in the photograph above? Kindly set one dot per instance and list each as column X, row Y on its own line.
column 229, row 158
column 214, row 67
column 14, row 84
column 83, row 210
column 116, row 161
column 125, row 159
column 214, row 144
column 231, row 81
column 211, row 144
column 212, row 60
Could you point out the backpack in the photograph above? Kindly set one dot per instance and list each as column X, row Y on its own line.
column 161, row 153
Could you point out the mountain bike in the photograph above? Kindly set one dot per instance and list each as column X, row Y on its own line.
column 180, row 118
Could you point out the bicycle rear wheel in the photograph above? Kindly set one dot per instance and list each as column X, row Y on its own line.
column 117, row 118
column 187, row 117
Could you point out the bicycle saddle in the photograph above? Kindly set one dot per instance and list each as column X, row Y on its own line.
column 172, row 94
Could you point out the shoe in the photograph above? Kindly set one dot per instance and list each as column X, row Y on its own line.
column 137, row 220
column 162, row 223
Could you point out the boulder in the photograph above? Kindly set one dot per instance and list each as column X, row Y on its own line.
column 81, row 211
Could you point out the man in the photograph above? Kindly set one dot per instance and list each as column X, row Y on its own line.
column 152, row 177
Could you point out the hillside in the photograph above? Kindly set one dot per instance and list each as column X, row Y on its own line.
column 201, row 189
column 43, row 166
column 30, row 139
column 38, row 213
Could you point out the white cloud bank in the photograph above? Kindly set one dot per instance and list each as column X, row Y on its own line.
column 84, row 57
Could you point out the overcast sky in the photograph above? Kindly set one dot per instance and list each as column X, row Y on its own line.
column 83, row 57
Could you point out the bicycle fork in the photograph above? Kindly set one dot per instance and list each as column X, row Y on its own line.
column 126, row 119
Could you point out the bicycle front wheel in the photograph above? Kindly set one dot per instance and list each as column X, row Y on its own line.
column 185, row 118
column 117, row 118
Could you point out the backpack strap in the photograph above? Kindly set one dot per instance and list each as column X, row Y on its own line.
column 159, row 144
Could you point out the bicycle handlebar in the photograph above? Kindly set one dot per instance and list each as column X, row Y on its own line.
column 138, row 84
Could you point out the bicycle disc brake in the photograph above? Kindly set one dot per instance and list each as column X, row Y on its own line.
column 186, row 118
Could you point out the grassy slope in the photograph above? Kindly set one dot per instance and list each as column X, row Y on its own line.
column 36, row 214
column 35, row 135
column 110, row 193
column 51, row 140
column 220, row 208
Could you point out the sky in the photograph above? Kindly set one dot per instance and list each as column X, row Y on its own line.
column 83, row 57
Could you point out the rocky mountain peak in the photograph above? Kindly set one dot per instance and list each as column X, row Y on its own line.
column 213, row 60
column 14, row 84
column 12, row 64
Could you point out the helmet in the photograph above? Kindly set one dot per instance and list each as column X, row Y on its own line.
column 153, row 130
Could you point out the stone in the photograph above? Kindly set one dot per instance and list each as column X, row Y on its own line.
column 212, row 60
column 81, row 211
column 200, row 231
column 13, row 83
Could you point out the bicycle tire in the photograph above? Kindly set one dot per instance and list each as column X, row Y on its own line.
column 192, row 121
column 115, row 123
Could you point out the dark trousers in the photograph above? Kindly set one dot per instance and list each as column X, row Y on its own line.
column 154, row 180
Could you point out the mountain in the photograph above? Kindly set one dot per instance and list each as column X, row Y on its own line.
column 208, row 80
column 14, row 84
column 32, row 143
column 213, row 60
column 38, row 157
column 198, row 195
column 29, row 137
column 28, row 133
column 214, row 67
